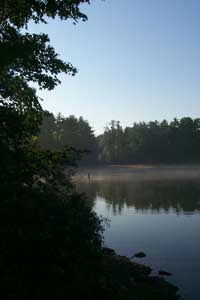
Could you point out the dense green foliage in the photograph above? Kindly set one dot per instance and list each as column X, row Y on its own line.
column 57, row 132
column 154, row 142
column 20, row 12
column 26, row 58
column 46, row 252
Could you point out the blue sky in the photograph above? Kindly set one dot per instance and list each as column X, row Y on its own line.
column 138, row 60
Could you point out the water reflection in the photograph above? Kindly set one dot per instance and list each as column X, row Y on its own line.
column 152, row 216
column 181, row 197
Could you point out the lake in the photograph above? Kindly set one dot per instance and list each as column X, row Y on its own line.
column 151, row 209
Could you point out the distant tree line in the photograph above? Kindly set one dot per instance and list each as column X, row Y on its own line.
column 57, row 132
column 153, row 142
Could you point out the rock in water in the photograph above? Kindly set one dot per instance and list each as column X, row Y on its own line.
column 164, row 273
column 139, row 255
column 109, row 251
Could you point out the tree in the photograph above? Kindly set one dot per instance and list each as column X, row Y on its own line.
column 47, row 139
column 152, row 142
column 45, row 249
column 26, row 58
column 111, row 143
column 57, row 132
column 29, row 57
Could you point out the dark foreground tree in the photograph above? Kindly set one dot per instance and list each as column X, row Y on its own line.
column 50, row 242
column 26, row 58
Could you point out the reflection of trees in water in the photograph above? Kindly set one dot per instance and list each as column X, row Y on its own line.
column 155, row 196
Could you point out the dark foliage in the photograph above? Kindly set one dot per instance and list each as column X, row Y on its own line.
column 46, row 252
column 50, row 242
column 56, row 132
column 19, row 12
column 153, row 142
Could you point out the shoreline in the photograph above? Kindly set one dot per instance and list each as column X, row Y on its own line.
column 136, row 279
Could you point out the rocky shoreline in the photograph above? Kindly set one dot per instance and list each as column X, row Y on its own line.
column 134, row 280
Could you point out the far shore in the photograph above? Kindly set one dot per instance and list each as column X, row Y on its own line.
column 138, row 172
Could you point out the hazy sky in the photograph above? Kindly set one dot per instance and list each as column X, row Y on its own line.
column 138, row 60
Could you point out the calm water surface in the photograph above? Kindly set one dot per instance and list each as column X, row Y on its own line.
column 159, row 216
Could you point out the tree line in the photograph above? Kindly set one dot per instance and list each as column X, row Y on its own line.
column 57, row 132
column 177, row 141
